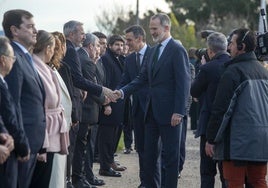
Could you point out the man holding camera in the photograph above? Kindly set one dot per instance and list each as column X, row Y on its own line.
column 238, row 126
column 204, row 87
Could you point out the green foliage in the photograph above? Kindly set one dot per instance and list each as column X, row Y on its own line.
column 217, row 14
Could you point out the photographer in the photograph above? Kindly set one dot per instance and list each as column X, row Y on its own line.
column 205, row 85
column 238, row 125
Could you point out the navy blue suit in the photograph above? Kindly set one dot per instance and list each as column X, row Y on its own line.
column 9, row 117
column 28, row 93
column 204, row 87
column 131, row 71
column 169, row 84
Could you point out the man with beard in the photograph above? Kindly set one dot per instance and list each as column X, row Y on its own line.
column 167, row 74
column 111, row 122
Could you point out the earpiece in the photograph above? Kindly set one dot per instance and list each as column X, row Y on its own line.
column 240, row 45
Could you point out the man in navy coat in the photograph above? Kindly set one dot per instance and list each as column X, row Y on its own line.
column 168, row 77
column 204, row 87
column 136, row 40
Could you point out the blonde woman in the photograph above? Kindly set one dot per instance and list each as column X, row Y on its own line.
column 56, row 139
column 59, row 161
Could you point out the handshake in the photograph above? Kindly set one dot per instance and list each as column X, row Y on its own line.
column 111, row 96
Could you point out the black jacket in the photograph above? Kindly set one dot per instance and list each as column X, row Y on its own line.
column 91, row 105
column 205, row 84
column 114, row 70
column 244, row 68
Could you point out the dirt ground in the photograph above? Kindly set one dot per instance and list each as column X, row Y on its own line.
column 189, row 176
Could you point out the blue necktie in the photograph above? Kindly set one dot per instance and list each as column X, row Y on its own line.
column 30, row 59
column 138, row 63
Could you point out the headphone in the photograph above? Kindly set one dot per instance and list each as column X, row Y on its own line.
column 240, row 45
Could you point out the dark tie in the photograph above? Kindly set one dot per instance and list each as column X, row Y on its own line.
column 30, row 59
column 138, row 60
column 156, row 55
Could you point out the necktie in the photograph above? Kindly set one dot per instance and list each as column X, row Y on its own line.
column 156, row 55
column 138, row 63
column 30, row 59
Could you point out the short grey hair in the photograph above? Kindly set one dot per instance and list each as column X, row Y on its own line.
column 4, row 41
column 70, row 27
column 164, row 19
column 217, row 42
column 89, row 39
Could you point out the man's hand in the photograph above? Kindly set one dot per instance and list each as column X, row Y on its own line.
column 107, row 110
column 7, row 140
column 107, row 100
column 118, row 94
column 109, row 93
column 42, row 157
column 209, row 148
column 4, row 153
column 175, row 119
column 24, row 159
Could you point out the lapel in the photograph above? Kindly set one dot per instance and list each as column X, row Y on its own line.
column 161, row 60
column 63, row 85
column 23, row 60
column 27, row 65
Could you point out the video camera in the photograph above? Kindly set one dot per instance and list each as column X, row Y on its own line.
column 203, row 51
column 262, row 41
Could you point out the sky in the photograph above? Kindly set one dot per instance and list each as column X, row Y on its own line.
column 51, row 15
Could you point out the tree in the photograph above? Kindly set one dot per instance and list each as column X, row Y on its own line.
column 217, row 14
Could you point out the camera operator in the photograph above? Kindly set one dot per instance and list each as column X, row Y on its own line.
column 238, row 125
column 204, row 87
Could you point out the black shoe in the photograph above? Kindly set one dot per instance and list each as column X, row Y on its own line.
column 110, row 173
column 96, row 181
column 127, row 151
column 82, row 183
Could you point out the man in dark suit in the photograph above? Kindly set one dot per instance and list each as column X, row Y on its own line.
column 83, row 154
column 74, row 33
column 136, row 40
column 168, row 77
column 9, row 122
column 110, row 124
column 26, row 87
column 205, row 84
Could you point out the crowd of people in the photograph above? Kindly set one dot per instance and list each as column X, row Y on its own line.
column 66, row 97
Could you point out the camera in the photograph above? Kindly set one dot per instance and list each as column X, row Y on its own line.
column 261, row 50
column 203, row 51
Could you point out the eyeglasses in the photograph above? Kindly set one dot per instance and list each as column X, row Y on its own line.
column 12, row 57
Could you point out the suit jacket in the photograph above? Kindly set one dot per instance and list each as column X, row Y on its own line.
column 131, row 71
column 10, row 121
column 65, row 73
column 113, row 69
column 90, row 107
column 205, row 84
column 28, row 93
column 72, row 59
column 169, row 83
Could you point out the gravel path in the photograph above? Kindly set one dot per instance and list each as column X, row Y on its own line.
column 189, row 177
